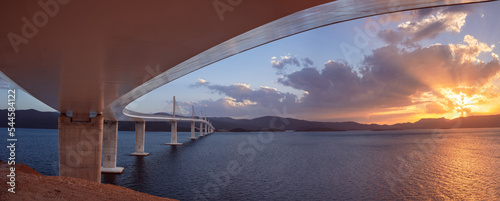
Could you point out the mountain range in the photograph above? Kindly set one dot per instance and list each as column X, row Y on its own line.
column 37, row 119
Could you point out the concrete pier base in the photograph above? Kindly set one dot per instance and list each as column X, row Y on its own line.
column 139, row 154
column 140, row 132
column 80, row 148
column 206, row 128
column 173, row 144
column 116, row 170
column 109, row 148
column 193, row 136
column 173, row 135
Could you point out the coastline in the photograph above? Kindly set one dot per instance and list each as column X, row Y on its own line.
column 31, row 185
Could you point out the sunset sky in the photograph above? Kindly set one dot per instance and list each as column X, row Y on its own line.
column 439, row 62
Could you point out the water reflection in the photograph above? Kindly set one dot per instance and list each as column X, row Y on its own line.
column 466, row 169
column 173, row 150
column 139, row 173
column 108, row 178
column 462, row 164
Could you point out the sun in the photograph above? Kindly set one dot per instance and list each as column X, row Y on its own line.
column 451, row 102
column 462, row 103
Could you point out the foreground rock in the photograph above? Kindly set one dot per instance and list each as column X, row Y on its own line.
column 31, row 185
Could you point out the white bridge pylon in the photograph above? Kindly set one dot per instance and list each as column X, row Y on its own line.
column 205, row 126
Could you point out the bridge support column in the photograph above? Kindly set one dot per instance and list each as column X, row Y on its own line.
column 206, row 129
column 193, row 136
column 109, row 148
column 201, row 129
column 140, row 132
column 173, row 135
column 80, row 148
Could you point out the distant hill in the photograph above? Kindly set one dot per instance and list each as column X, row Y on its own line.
column 37, row 119
column 264, row 123
column 31, row 119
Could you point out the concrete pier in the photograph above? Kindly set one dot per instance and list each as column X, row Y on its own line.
column 140, row 132
column 193, row 124
column 109, row 148
column 193, row 135
column 173, row 135
column 206, row 128
column 80, row 147
column 201, row 130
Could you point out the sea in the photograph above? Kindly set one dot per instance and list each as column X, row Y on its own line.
column 435, row 164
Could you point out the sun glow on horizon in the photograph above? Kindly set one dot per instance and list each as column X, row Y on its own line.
column 462, row 103
column 447, row 102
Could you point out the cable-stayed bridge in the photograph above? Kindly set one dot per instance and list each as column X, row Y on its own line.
column 90, row 59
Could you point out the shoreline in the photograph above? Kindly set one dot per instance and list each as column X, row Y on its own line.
column 31, row 185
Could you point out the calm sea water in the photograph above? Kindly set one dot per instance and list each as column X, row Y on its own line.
column 356, row 165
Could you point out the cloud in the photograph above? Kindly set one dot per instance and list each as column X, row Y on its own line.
column 226, row 106
column 427, row 24
column 433, row 25
column 435, row 108
column 306, row 62
column 423, row 13
column 240, row 99
column 390, row 77
column 389, row 80
column 333, row 84
column 392, row 82
column 199, row 83
column 283, row 61
column 391, row 36
column 469, row 52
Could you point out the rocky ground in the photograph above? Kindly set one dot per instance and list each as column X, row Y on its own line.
column 31, row 185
